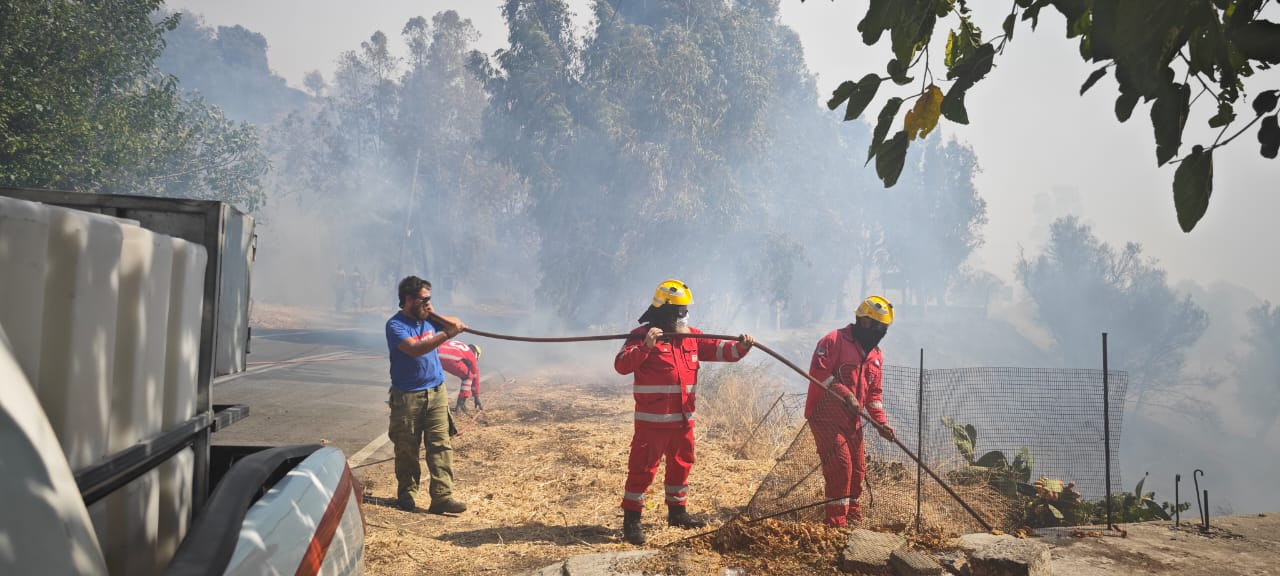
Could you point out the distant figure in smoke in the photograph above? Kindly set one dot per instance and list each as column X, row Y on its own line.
column 666, row 373
column 463, row 360
column 419, row 401
column 849, row 362
column 356, row 287
column 339, row 289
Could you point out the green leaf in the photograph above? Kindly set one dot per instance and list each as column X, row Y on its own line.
column 862, row 94
column 1093, row 79
column 1156, row 511
column 841, row 93
column 1008, row 26
column 1269, row 137
column 881, row 15
column 953, row 105
column 890, row 158
column 1056, row 513
column 898, row 73
column 1192, row 186
column 1257, row 40
column 1138, row 489
column 883, row 122
column 1266, row 102
column 1224, row 116
column 993, row 459
column 1168, row 118
column 1124, row 105
column 973, row 433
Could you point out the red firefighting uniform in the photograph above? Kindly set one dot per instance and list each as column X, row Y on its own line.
column 665, row 380
column 839, row 361
column 457, row 358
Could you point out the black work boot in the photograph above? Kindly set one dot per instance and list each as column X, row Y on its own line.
column 632, row 531
column 405, row 502
column 679, row 517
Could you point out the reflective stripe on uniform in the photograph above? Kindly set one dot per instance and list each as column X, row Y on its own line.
column 455, row 357
column 841, row 502
column 647, row 389
column 876, row 404
column 677, row 489
column 829, row 381
column 466, row 385
column 733, row 349
column 636, row 496
column 650, row 417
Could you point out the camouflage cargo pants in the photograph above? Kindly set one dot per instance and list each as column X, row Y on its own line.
column 419, row 418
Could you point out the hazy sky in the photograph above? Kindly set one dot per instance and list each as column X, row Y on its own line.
column 1044, row 150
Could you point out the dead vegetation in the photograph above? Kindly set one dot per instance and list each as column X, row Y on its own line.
column 542, row 470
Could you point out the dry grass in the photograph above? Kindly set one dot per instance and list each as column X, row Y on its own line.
column 542, row 470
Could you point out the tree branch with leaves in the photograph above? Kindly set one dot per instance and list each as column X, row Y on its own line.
column 1155, row 48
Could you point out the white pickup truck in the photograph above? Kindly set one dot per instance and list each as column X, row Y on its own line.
column 116, row 313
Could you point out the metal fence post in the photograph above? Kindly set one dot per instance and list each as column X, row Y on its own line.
column 1106, row 425
column 919, row 439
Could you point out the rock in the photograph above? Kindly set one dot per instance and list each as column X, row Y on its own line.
column 1005, row 555
column 605, row 563
column 867, row 551
column 955, row 562
column 908, row 562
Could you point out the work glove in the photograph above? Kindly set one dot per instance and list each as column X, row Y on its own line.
column 886, row 432
column 461, row 407
column 476, row 401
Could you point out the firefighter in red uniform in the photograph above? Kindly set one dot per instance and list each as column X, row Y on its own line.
column 849, row 363
column 463, row 360
column 666, row 373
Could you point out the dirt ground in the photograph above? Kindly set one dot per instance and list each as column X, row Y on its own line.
column 1241, row 544
column 542, row 471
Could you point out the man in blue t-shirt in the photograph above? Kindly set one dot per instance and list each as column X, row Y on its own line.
column 419, row 401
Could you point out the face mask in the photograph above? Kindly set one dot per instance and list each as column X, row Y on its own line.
column 682, row 321
column 866, row 337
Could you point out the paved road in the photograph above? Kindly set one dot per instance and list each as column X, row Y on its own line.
column 308, row 386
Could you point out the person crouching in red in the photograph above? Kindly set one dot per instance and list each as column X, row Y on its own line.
column 848, row 361
column 666, row 375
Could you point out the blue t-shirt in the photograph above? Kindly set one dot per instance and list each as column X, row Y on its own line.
column 411, row 374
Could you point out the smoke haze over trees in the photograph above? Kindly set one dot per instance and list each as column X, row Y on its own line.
column 565, row 175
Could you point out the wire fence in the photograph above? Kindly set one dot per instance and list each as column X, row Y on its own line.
column 1021, row 446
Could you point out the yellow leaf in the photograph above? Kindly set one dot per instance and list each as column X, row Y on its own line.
column 923, row 117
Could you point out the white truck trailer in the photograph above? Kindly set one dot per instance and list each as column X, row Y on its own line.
column 116, row 314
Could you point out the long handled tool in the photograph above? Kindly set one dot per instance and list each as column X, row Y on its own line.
column 667, row 336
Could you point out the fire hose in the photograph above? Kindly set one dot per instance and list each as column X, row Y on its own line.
column 668, row 336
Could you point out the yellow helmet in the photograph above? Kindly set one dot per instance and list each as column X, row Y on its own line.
column 474, row 350
column 672, row 291
column 876, row 308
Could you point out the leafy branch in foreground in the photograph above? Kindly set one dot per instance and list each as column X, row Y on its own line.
column 1160, row 51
